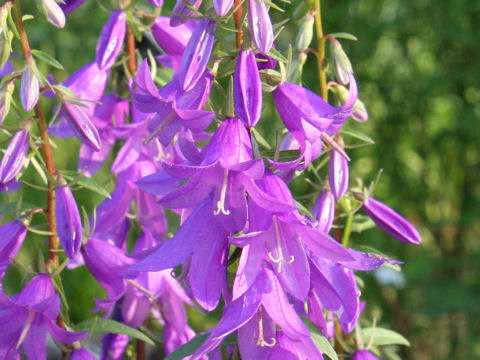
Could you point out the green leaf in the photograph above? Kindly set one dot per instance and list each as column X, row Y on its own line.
column 85, row 182
column 106, row 326
column 13, row 207
column 47, row 58
column 362, row 223
column 344, row 35
column 304, row 210
column 284, row 155
column 260, row 139
column 320, row 341
column 357, row 135
column 188, row 348
column 274, row 53
column 383, row 336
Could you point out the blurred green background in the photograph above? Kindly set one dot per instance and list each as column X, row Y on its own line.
column 418, row 68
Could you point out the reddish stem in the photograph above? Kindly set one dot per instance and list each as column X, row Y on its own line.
column 237, row 16
column 132, row 60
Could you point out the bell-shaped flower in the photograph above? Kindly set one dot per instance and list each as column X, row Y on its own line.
column 156, row 3
column 82, row 354
column 26, row 318
column 247, row 89
column 111, row 39
column 55, row 15
column 14, row 157
column 196, row 55
column 260, row 25
column 81, row 125
column 363, row 355
column 13, row 234
column 308, row 117
column 391, row 222
column 29, row 86
column 338, row 174
column 222, row 7
column 69, row 225
column 324, row 210
column 181, row 8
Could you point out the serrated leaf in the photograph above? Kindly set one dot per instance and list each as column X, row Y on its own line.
column 106, row 326
column 357, row 135
column 47, row 58
column 188, row 348
column 320, row 341
column 383, row 336
column 85, row 182
column 344, row 35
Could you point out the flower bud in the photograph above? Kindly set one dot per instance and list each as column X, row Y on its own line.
column 55, row 15
column 324, row 210
column 391, row 222
column 81, row 125
column 196, row 55
column 181, row 9
column 305, row 33
column 29, row 86
column 14, row 157
column 222, row 7
column 260, row 25
column 359, row 111
column 13, row 234
column 111, row 39
column 6, row 92
column 69, row 225
column 247, row 89
column 338, row 174
column 69, row 5
column 156, row 3
column 342, row 65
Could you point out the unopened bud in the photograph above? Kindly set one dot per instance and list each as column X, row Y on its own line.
column 260, row 25
column 14, row 157
column 341, row 63
column 324, row 210
column 222, row 7
column 69, row 225
column 55, row 14
column 156, row 3
column 359, row 111
column 29, row 86
column 111, row 39
column 305, row 33
column 81, row 125
column 338, row 174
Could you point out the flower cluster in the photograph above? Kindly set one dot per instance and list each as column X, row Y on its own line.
column 244, row 243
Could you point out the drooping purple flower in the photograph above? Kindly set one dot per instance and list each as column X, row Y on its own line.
column 338, row 174
column 82, row 125
column 70, row 5
column 247, row 89
column 13, row 234
column 29, row 86
column 260, row 25
column 111, row 39
column 181, row 9
column 54, row 12
column 391, row 222
column 82, row 354
column 156, row 3
column 363, row 355
column 88, row 82
column 69, row 225
column 222, row 7
column 26, row 318
column 324, row 210
column 14, row 157
column 197, row 53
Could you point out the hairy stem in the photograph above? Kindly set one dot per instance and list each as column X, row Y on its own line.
column 320, row 50
column 53, row 242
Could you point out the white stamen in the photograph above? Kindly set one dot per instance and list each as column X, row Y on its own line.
column 223, row 194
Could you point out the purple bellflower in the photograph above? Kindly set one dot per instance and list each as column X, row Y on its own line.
column 54, row 12
column 14, row 157
column 324, row 210
column 222, row 7
column 69, row 225
column 196, row 55
column 13, row 234
column 363, row 355
column 308, row 117
column 391, row 222
column 260, row 25
column 338, row 174
column 247, row 89
column 70, row 5
column 181, row 9
column 82, row 354
column 26, row 318
column 111, row 39
column 29, row 86
column 156, row 3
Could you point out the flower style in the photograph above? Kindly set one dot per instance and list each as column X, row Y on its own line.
column 26, row 318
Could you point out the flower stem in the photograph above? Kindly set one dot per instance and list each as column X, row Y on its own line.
column 320, row 50
column 347, row 230
column 140, row 347
column 53, row 242
column 238, row 18
column 132, row 60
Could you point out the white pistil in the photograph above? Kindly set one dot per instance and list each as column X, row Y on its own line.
column 261, row 340
column 281, row 258
column 223, row 194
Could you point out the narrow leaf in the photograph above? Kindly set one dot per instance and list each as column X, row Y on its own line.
column 357, row 135
column 275, row 54
column 85, row 182
column 47, row 58
column 344, row 35
column 106, row 326
column 383, row 336
column 188, row 348
column 320, row 341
